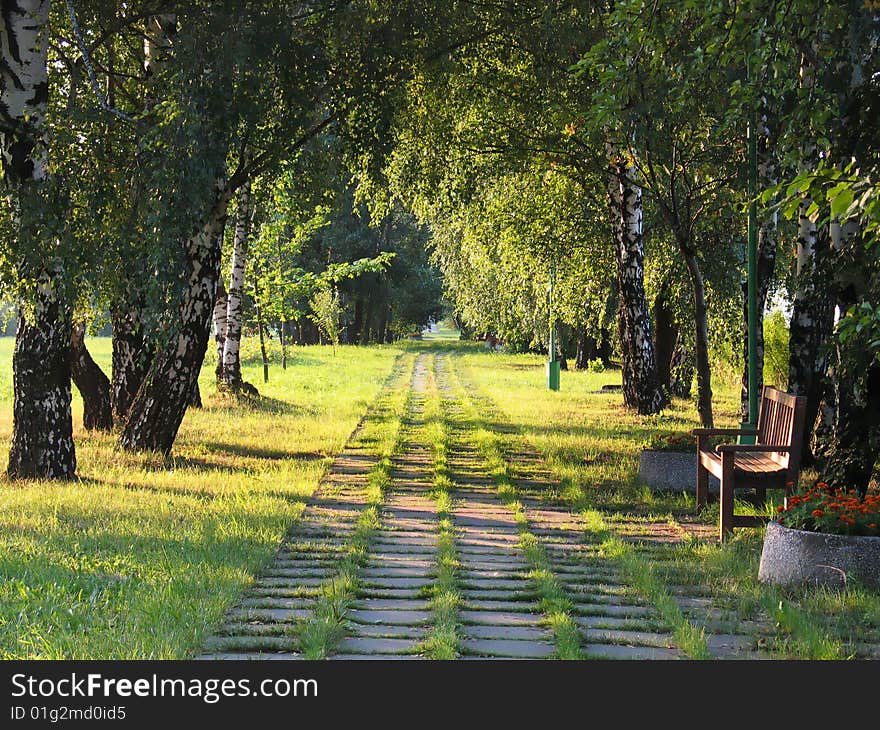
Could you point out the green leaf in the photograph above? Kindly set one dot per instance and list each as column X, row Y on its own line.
column 841, row 203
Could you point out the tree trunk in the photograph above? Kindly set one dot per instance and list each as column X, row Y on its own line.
column 701, row 336
column 812, row 323
column 42, row 432
column 132, row 355
column 665, row 336
column 768, row 240
column 282, row 340
column 93, row 385
column 42, row 436
column 232, row 345
column 219, row 318
column 681, row 369
column 364, row 337
column 195, row 397
column 162, row 400
column 640, row 388
column 261, row 328
column 854, row 450
column 587, row 349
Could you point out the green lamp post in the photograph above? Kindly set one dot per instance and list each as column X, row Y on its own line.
column 553, row 368
column 752, row 275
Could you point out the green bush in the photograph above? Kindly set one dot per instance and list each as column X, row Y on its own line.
column 595, row 366
column 776, row 349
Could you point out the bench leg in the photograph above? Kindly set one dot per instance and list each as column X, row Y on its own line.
column 702, row 485
column 725, row 526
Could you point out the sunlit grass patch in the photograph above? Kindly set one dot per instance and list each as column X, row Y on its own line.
column 142, row 556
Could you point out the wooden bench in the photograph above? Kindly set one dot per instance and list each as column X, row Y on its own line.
column 772, row 462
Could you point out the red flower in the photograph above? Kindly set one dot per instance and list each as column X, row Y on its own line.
column 818, row 513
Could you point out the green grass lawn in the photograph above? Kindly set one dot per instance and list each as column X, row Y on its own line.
column 140, row 557
column 592, row 443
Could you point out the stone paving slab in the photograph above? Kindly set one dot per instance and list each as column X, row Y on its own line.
column 270, row 581
column 269, row 614
column 402, row 593
column 493, row 604
column 402, row 551
column 249, row 643
column 389, row 631
column 393, row 572
column 276, row 602
column 257, row 591
column 242, row 629
column 616, row 622
column 371, row 582
column 481, row 566
column 632, row 638
column 730, row 643
column 471, row 595
column 402, row 617
column 303, row 576
column 619, row 651
column 483, row 552
column 513, row 574
column 498, row 618
column 471, row 584
column 353, row 645
column 508, row 648
column 517, row 633
column 391, row 604
column 401, row 544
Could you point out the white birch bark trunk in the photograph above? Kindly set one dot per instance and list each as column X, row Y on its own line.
column 641, row 389
column 220, row 326
column 162, row 400
column 232, row 344
column 42, row 439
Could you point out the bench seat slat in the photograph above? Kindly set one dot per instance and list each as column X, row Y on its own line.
column 753, row 464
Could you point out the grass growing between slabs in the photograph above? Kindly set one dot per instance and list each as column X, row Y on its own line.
column 319, row 635
column 554, row 603
column 592, row 444
column 141, row 556
column 442, row 639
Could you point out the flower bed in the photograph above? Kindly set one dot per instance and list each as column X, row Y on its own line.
column 824, row 537
column 834, row 512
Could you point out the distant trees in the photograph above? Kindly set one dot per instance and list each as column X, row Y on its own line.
column 213, row 166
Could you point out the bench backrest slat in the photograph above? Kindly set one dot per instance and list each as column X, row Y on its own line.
column 781, row 421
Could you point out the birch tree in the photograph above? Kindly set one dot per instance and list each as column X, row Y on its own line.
column 235, row 294
column 641, row 389
column 219, row 327
column 92, row 383
column 42, row 440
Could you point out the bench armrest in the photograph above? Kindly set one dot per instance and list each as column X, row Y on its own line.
column 753, row 447
column 724, row 431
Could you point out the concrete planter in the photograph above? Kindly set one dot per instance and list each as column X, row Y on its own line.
column 672, row 471
column 797, row 557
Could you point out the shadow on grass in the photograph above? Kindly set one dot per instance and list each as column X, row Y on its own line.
column 254, row 452
column 203, row 495
column 265, row 404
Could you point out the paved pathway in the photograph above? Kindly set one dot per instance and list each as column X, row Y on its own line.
column 499, row 613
